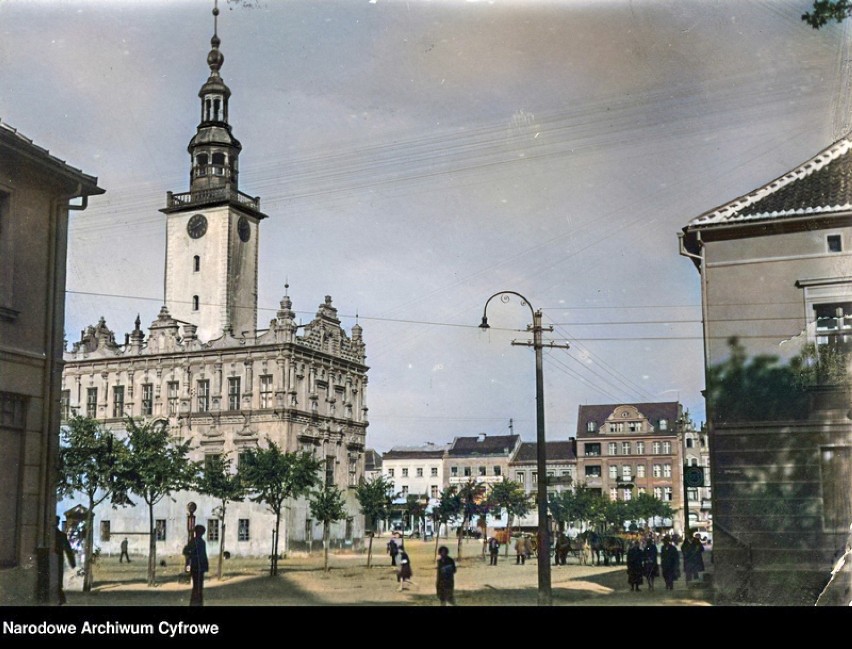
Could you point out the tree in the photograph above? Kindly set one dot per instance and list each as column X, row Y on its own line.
column 327, row 507
column 153, row 466
column 217, row 480
column 273, row 476
column 414, row 509
column 375, row 498
column 645, row 507
column 471, row 495
column 87, row 457
column 824, row 11
column 511, row 497
column 448, row 508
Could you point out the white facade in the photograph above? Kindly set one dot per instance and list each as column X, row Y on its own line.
column 211, row 278
column 415, row 470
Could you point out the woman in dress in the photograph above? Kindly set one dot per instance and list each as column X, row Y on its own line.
column 635, row 563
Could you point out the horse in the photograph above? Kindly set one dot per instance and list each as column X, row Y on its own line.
column 608, row 547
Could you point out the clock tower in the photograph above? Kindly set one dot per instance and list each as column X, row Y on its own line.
column 212, row 230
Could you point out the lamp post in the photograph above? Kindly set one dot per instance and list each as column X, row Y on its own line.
column 545, row 597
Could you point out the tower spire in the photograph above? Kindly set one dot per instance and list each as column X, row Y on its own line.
column 214, row 151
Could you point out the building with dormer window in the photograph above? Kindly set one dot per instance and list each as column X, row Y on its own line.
column 627, row 449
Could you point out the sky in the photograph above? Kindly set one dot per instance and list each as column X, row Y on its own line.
column 416, row 157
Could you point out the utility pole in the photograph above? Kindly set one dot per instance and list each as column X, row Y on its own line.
column 545, row 595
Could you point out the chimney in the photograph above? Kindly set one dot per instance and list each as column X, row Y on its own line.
column 480, row 437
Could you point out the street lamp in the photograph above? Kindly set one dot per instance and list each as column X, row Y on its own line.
column 545, row 597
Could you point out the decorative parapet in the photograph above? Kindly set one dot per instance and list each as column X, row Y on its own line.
column 214, row 195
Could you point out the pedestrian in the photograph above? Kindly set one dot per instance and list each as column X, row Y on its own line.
column 652, row 570
column 563, row 547
column 493, row 549
column 124, row 552
column 63, row 549
column 445, row 578
column 196, row 564
column 697, row 556
column 635, row 563
column 404, row 574
column 521, row 550
column 393, row 549
column 687, row 550
column 669, row 563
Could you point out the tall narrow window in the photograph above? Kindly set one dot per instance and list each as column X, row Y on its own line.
column 147, row 399
column 196, row 263
column 266, row 391
column 65, row 404
column 118, row 401
column 195, row 303
column 329, row 471
column 160, row 527
column 172, row 388
column 640, row 448
column 202, row 390
column 243, row 530
column 234, row 393
column 92, row 402
column 213, row 529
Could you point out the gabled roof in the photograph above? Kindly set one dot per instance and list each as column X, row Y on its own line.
column 822, row 185
column 484, row 445
column 654, row 412
column 556, row 452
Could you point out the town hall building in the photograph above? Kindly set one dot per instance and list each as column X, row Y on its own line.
column 205, row 367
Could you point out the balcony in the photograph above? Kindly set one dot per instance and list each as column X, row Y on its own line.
column 215, row 195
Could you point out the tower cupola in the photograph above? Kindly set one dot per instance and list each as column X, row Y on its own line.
column 213, row 150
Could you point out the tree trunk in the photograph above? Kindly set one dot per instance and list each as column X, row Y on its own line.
column 370, row 549
column 461, row 536
column 437, row 539
column 508, row 533
column 152, row 548
column 221, row 544
column 273, row 570
column 325, row 545
column 88, row 578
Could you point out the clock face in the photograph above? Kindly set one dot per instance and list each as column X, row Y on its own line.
column 244, row 229
column 197, row 226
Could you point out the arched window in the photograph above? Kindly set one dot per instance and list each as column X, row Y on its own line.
column 195, row 303
column 196, row 263
column 218, row 164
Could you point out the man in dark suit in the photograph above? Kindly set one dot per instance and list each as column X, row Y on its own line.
column 196, row 560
